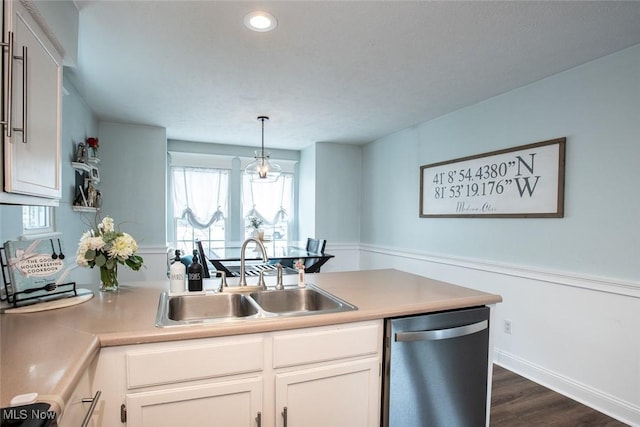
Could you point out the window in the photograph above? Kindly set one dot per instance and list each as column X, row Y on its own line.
column 210, row 199
column 37, row 220
column 273, row 203
column 199, row 206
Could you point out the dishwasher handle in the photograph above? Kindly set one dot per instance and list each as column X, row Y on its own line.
column 442, row 334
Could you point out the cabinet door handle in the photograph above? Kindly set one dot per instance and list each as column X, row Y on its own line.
column 284, row 416
column 259, row 419
column 94, row 402
column 442, row 334
column 8, row 107
column 25, row 97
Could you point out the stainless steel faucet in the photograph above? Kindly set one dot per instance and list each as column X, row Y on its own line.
column 279, row 285
column 265, row 258
column 223, row 280
column 261, row 282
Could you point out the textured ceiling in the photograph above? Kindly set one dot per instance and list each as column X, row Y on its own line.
column 332, row 71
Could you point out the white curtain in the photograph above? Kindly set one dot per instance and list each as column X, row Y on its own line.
column 200, row 195
column 271, row 202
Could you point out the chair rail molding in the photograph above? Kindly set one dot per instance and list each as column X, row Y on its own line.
column 601, row 284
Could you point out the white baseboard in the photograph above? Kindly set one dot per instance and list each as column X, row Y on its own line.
column 613, row 407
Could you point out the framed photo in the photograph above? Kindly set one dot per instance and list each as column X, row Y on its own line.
column 95, row 174
column 520, row 182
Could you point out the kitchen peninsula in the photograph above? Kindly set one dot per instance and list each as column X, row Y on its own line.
column 49, row 352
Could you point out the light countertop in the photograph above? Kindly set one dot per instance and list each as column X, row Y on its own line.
column 47, row 352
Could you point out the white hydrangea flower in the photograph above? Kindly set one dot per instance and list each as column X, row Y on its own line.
column 123, row 247
column 131, row 241
column 82, row 261
column 82, row 250
column 95, row 243
column 106, row 225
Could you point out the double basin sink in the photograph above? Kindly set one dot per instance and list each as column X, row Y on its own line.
column 186, row 309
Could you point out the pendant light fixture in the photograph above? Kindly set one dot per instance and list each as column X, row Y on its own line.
column 261, row 169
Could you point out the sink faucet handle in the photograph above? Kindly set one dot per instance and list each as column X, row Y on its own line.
column 223, row 279
column 279, row 285
column 261, row 281
column 265, row 258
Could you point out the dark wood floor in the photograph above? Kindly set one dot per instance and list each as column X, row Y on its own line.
column 516, row 401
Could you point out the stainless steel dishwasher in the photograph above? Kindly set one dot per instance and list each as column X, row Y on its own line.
column 435, row 369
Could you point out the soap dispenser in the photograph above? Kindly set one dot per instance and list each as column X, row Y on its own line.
column 194, row 274
column 177, row 274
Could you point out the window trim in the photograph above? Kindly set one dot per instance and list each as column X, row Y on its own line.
column 34, row 233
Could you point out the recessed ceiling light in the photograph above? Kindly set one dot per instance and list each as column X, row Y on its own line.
column 260, row 21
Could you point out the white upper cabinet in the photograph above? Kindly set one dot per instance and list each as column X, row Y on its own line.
column 33, row 97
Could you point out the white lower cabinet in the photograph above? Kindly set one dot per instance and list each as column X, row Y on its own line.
column 324, row 376
column 228, row 403
column 339, row 395
column 328, row 376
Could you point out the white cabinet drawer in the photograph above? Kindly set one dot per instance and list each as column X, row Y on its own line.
column 327, row 343
column 194, row 361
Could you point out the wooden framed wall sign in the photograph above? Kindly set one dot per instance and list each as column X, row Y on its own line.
column 520, row 182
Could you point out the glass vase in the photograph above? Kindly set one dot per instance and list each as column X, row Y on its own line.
column 109, row 279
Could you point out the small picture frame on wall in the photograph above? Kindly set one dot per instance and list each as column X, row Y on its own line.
column 95, row 174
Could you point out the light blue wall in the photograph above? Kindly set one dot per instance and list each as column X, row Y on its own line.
column 390, row 173
column 307, row 193
column 78, row 123
column 133, row 172
column 10, row 222
column 595, row 106
column 338, row 183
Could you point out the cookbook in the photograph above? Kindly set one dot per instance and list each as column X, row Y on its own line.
column 38, row 267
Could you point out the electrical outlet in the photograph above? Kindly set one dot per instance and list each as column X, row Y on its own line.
column 507, row 327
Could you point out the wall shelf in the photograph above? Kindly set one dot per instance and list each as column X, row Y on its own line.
column 84, row 209
column 87, row 196
column 81, row 166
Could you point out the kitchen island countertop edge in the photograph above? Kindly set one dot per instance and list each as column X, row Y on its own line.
column 47, row 352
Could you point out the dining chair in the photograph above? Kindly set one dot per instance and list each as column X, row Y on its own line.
column 207, row 267
column 314, row 245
